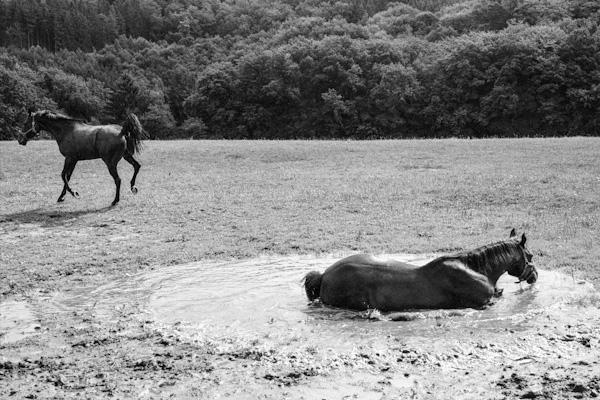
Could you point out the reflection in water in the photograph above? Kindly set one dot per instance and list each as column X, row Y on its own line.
column 265, row 297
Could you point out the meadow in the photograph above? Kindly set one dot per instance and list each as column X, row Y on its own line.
column 240, row 199
column 236, row 200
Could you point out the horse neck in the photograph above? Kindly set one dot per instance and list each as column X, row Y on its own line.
column 57, row 128
column 492, row 260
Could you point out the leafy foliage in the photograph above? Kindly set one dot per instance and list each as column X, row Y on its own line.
column 307, row 68
column 18, row 92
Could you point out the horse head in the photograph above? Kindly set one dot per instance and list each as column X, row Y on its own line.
column 522, row 267
column 30, row 128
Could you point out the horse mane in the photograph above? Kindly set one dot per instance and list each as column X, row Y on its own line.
column 482, row 258
column 54, row 116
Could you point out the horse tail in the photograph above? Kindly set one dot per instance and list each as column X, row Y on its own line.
column 134, row 133
column 312, row 285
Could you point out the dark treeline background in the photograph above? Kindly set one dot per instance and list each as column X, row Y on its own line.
column 306, row 68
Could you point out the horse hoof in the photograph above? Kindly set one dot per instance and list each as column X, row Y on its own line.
column 60, row 200
column 133, row 190
column 76, row 195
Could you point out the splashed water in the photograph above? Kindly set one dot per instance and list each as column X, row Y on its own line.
column 17, row 321
column 265, row 297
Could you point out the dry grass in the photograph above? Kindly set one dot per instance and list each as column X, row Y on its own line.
column 216, row 199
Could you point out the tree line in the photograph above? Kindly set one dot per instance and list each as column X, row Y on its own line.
column 306, row 68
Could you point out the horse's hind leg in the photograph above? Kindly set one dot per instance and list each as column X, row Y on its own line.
column 136, row 168
column 66, row 176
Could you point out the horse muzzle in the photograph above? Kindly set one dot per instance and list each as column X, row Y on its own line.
column 529, row 274
column 24, row 137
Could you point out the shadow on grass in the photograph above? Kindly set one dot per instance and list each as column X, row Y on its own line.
column 47, row 217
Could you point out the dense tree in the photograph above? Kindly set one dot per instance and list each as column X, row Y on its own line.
column 307, row 68
column 75, row 95
column 125, row 99
column 18, row 93
column 524, row 80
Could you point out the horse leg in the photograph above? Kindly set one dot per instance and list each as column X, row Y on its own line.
column 478, row 294
column 136, row 168
column 470, row 288
column 66, row 175
column 69, row 173
column 112, row 169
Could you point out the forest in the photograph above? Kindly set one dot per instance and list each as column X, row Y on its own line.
column 285, row 69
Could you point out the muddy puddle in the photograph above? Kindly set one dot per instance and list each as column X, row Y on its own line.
column 245, row 330
column 264, row 298
column 17, row 321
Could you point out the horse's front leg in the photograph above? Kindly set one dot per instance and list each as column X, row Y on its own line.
column 66, row 176
column 112, row 168
column 480, row 294
column 472, row 289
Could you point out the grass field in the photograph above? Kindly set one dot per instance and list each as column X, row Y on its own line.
column 217, row 200
column 220, row 200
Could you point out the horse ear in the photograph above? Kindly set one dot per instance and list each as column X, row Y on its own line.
column 523, row 240
column 513, row 233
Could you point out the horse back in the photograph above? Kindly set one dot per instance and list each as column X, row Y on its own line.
column 363, row 281
column 88, row 142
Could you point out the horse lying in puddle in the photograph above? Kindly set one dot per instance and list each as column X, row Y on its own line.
column 466, row 279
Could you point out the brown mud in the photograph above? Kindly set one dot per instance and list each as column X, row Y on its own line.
column 171, row 333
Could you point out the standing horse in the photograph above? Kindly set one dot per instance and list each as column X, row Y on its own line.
column 79, row 141
column 466, row 279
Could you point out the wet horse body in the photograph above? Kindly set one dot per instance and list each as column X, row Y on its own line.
column 363, row 281
column 78, row 141
column 465, row 279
